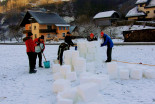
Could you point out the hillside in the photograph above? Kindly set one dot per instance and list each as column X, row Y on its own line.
column 82, row 10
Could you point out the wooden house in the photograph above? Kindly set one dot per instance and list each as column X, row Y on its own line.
column 106, row 18
column 44, row 23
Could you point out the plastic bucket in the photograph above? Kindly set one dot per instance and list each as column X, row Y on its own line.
column 47, row 64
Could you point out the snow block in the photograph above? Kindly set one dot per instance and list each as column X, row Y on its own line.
column 57, row 76
column 71, row 76
column 124, row 74
column 69, row 94
column 112, row 70
column 68, row 57
column 91, row 67
column 101, row 81
column 64, row 69
column 61, row 85
column 64, row 101
column 90, row 57
column 136, row 74
column 55, row 68
column 149, row 73
column 88, row 91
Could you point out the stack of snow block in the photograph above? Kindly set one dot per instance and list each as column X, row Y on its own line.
column 149, row 73
column 112, row 70
column 136, row 74
column 81, row 46
column 64, row 69
column 61, row 85
column 68, row 57
column 79, row 65
column 88, row 91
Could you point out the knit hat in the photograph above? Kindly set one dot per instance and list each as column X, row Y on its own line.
column 102, row 33
column 42, row 37
column 29, row 33
column 91, row 35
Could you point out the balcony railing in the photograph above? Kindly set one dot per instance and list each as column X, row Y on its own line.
column 26, row 31
column 47, row 30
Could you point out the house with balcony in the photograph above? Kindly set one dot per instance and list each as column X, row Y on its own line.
column 44, row 23
column 144, row 10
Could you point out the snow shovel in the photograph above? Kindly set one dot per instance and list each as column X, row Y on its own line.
column 46, row 63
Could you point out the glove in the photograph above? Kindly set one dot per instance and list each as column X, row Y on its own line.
column 42, row 51
column 38, row 44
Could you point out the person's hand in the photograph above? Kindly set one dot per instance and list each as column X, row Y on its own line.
column 38, row 44
column 42, row 51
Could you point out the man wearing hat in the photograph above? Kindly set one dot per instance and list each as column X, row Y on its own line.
column 91, row 38
column 109, row 43
column 64, row 46
column 30, row 52
column 39, row 48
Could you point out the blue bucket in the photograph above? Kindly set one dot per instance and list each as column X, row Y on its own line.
column 47, row 64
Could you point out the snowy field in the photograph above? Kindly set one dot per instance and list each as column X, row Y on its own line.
column 19, row 87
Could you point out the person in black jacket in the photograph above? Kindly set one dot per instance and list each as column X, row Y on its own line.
column 68, row 39
column 64, row 46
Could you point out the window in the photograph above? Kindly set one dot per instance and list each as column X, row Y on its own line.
column 63, row 28
column 49, row 27
column 35, row 35
column 59, row 28
column 48, row 35
column 67, row 28
column 35, row 27
column 63, row 34
column 147, row 12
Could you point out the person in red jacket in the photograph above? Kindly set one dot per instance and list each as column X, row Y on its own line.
column 39, row 48
column 30, row 52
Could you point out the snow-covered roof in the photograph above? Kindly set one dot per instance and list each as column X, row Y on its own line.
column 141, row 1
column 151, row 4
column 104, row 14
column 134, row 12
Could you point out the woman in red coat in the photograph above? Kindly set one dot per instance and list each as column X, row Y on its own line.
column 30, row 52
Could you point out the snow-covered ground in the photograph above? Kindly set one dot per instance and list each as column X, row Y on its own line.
column 19, row 87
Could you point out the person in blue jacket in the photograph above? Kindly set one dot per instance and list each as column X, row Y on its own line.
column 109, row 43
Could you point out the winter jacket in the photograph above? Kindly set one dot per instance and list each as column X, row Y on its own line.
column 29, row 44
column 63, row 46
column 68, row 40
column 107, row 41
column 36, row 41
column 89, row 39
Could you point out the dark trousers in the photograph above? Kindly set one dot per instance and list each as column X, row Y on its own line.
column 31, row 57
column 40, row 58
column 109, row 51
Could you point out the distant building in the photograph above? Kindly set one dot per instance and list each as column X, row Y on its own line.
column 144, row 10
column 43, row 23
column 106, row 18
